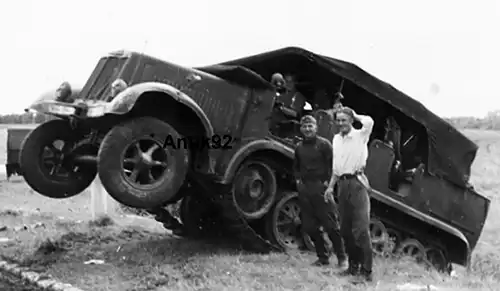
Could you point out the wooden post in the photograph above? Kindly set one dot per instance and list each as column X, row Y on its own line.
column 100, row 202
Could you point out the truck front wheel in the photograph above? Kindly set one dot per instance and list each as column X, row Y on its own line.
column 135, row 166
column 47, row 164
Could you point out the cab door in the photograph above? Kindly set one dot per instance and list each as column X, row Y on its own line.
column 258, row 114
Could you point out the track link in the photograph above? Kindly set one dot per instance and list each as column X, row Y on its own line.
column 235, row 222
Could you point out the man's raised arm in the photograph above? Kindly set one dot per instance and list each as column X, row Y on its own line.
column 367, row 123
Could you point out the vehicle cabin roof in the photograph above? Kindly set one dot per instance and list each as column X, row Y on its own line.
column 450, row 152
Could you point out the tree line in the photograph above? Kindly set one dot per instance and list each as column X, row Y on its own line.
column 491, row 121
column 25, row 118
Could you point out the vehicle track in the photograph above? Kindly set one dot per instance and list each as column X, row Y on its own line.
column 235, row 222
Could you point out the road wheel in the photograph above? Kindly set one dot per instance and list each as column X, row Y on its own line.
column 394, row 240
column 412, row 248
column 436, row 258
column 254, row 190
column 135, row 166
column 378, row 236
column 284, row 227
column 46, row 160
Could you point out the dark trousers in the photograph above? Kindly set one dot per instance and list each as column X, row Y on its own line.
column 354, row 205
column 315, row 212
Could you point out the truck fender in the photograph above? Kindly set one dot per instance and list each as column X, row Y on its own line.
column 250, row 148
column 125, row 101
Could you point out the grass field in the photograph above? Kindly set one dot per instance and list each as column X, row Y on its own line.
column 56, row 237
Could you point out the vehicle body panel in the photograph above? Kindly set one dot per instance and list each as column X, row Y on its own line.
column 465, row 210
column 415, row 204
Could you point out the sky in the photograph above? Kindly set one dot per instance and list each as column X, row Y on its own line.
column 444, row 53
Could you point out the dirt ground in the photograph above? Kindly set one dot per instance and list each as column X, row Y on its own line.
column 8, row 282
column 57, row 237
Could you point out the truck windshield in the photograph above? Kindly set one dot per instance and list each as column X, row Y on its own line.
column 98, row 86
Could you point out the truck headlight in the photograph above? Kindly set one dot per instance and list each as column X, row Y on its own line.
column 61, row 109
column 96, row 111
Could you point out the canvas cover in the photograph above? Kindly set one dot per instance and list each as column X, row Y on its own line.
column 450, row 152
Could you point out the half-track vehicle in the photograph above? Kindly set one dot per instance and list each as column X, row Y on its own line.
column 222, row 138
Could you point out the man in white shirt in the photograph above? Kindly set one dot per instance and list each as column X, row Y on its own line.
column 350, row 152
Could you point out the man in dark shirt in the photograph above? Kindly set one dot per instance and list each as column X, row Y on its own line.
column 313, row 168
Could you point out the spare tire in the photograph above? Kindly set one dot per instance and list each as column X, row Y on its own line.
column 43, row 162
column 137, row 168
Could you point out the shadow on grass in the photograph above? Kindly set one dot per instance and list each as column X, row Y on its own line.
column 121, row 246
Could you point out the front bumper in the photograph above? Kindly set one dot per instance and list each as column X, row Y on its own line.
column 76, row 109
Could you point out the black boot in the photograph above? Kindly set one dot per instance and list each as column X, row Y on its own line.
column 366, row 275
column 363, row 276
column 352, row 270
column 342, row 263
column 321, row 262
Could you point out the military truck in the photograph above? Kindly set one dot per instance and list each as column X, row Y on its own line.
column 222, row 138
column 15, row 136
